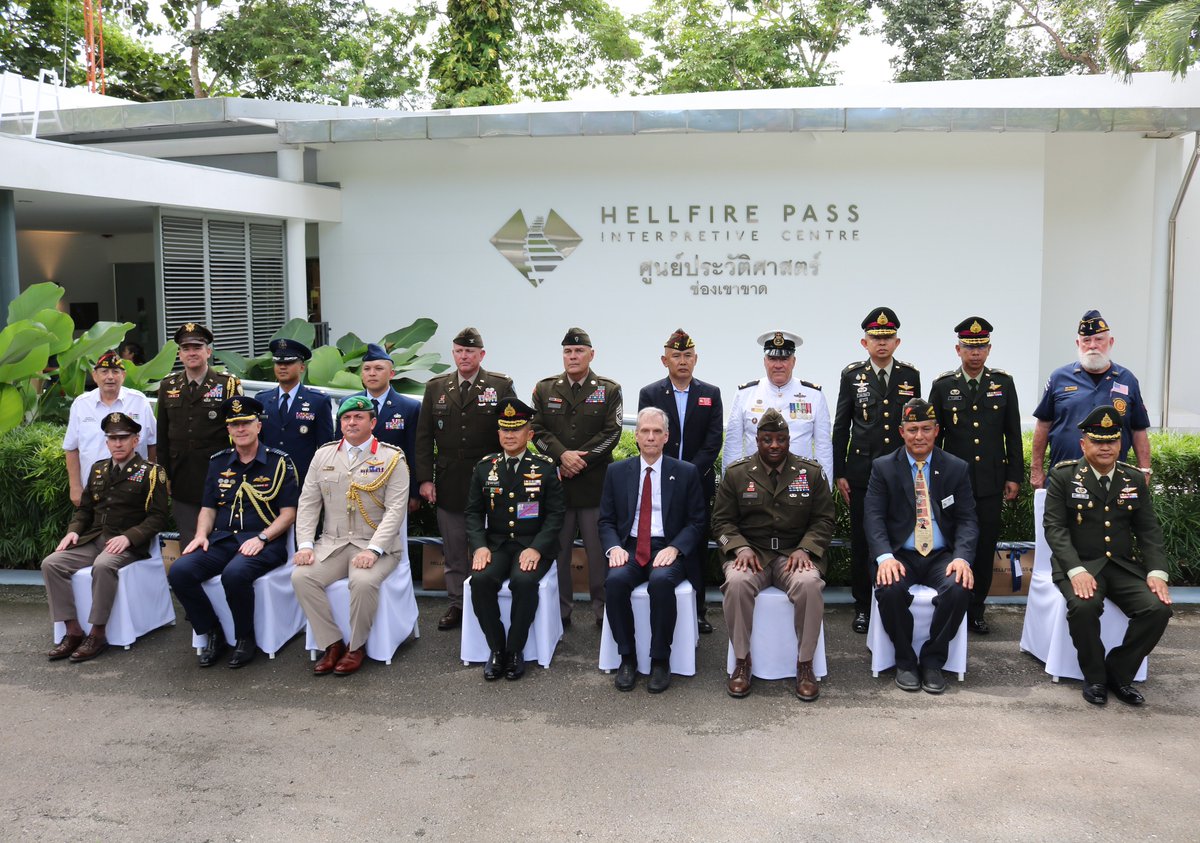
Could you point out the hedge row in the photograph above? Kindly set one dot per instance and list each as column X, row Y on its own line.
column 34, row 507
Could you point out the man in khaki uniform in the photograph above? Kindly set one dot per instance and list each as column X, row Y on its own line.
column 773, row 519
column 125, row 503
column 361, row 485
column 191, row 425
column 458, row 416
column 577, row 423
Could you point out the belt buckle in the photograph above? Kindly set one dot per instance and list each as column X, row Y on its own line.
column 775, row 543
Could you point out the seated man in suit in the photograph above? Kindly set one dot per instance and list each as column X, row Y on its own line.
column 515, row 510
column 774, row 513
column 298, row 419
column 1095, row 506
column 360, row 486
column 694, row 434
column 652, row 517
column 921, row 528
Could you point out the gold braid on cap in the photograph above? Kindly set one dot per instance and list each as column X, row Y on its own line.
column 355, row 492
column 259, row 500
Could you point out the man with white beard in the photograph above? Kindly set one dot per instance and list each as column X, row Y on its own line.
column 1076, row 389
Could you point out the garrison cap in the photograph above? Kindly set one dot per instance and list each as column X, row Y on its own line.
column 356, row 402
column 241, row 408
column 513, row 414
column 468, row 338
column 881, row 322
column 289, row 351
column 119, row 424
column 916, row 410
column 974, row 330
column 779, row 343
column 1102, row 424
column 375, row 351
column 109, row 360
column 193, row 332
column 679, row 341
column 577, row 336
column 772, row 421
column 1092, row 323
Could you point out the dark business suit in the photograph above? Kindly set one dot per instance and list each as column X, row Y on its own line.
column 683, row 517
column 890, row 515
column 701, row 438
column 307, row 425
column 396, row 424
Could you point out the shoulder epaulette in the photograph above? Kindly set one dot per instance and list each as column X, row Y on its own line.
column 278, row 452
column 223, row 451
column 999, row 372
column 748, row 384
column 859, row 364
column 541, row 457
column 807, row 462
column 811, row 385
column 739, row 462
column 947, row 374
column 499, row 375
column 1065, row 462
column 906, row 365
column 551, row 379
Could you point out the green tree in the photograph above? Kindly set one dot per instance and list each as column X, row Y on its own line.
column 707, row 45
column 1168, row 29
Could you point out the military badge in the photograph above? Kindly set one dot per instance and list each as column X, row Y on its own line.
column 1120, row 405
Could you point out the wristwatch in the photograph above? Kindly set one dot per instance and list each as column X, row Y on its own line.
column 262, row 537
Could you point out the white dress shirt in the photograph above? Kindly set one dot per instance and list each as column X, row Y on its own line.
column 83, row 426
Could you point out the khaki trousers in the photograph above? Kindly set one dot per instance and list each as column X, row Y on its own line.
column 58, row 567
column 804, row 588
column 310, row 581
column 453, row 527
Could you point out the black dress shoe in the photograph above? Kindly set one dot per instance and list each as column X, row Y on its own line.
column 704, row 626
column 214, row 649
column 626, row 674
column 1095, row 693
column 1127, row 694
column 451, row 620
column 660, row 676
column 516, row 667
column 907, row 680
column 932, row 681
column 860, row 623
column 979, row 626
column 495, row 666
column 244, row 650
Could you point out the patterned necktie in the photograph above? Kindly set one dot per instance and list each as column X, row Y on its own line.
column 642, row 555
column 883, row 379
column 923, row 533
column 283, row 407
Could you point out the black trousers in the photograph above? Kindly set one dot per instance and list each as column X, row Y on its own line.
column 697, row 562
column 238, row 573
column 1148, row 618
column 485, row 596
column 949, row 607
column 988, row 511
column 618, row 587
column 862, row 568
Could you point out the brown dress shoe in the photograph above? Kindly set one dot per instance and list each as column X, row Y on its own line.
column 91, row 647
column 68, row 645
column 451, row 620
column 350, row 662
column 806, row 682
column 739, row 683
column 333, row 654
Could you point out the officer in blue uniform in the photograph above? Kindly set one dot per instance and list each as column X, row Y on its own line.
column 248, row 507
column 297, row 419
column 396, row 414
column 1074, row 390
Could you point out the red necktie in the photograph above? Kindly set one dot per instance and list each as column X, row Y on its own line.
column 642, row 556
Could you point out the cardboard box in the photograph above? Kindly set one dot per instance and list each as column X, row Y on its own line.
column 170, row 551
column 433, row 567
column 1002, row 573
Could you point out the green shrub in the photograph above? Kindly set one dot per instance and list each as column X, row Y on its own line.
column 34, row 505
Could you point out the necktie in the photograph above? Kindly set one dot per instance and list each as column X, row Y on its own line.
column 972, row 389
column 354, row 452
column 923, row 534
column 1104, row 482
column 883, row 379
column 642, row 555
column 375, row 401
column 192, row 388
column 464, row 389
column 513, row 462
column 283, row 407
column 575, row 387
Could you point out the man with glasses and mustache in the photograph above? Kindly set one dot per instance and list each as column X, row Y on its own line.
column 1076, row 389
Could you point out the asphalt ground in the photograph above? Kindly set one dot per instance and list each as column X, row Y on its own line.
column 143, row 745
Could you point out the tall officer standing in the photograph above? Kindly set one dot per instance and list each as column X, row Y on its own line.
column 297, row 418
column 458, row 416
column 980, row 423
column 866, row 425
column 396, row 415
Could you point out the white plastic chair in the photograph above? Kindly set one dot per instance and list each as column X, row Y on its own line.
column 773, row 642
column 544, row 634
column 683, row 642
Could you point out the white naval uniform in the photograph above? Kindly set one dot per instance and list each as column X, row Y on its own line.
column 802, row 405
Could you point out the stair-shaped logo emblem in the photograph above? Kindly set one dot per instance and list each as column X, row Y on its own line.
column 536, row 249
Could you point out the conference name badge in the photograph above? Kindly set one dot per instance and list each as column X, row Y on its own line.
column 947, row 501
column 704, row 402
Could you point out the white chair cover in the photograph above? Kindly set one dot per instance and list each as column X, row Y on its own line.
column 1045, row 633
column 278, row 617
column 683, row 642
column 395, row 619
column 143, row 601
column 773, row 642
column 544, row 634
column 883, row 652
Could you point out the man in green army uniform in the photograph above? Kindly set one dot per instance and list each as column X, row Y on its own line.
column 515, row 511
column 577, row 423
column 866, row 425
column 458, row 416
column 773, row 520
column 1095, row 508
column 191, row 427
column 979, row 422
column 125, row 504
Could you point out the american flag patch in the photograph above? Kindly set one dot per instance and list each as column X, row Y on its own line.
column 1120, row 389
